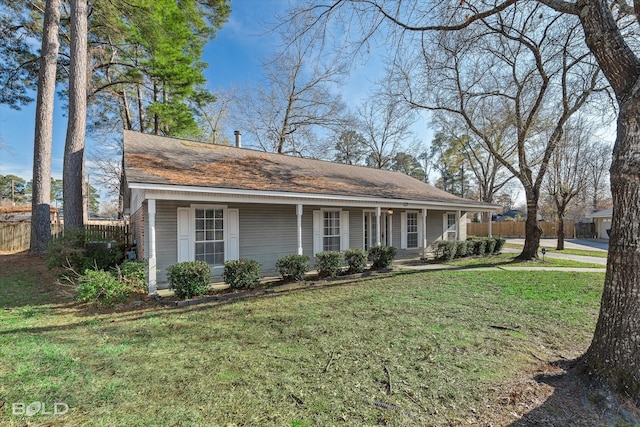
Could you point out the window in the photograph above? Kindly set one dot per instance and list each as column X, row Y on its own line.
column 412, row 230
column 209, row 236
column 451, row 230
column 331, row 231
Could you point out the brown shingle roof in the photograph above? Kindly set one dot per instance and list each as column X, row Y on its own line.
column 150, row 159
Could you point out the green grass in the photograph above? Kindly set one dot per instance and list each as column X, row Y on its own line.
column 581, row 252
column 433, row 344
column 507, row 260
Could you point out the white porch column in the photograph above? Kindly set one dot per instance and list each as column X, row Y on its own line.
column 378, row 231
column 299, row 218
column 458, row 215
column 490, row 222
column 424, row 233
column 153, row 285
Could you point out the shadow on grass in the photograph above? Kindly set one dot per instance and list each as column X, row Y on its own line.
column 578, row 400
column 153, row 309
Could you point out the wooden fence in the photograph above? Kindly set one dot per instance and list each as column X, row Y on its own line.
column 516, row 229
column 16, row 236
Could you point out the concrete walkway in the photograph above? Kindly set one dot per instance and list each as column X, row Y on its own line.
column 580, row 244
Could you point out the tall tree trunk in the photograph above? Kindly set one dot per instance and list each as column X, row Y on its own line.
column 560, row 232
column 156, row 117
column 43, row 140
column 73, row 169
column 533, row 231
column 614, row 353
column 140, row 108
column 126, row 111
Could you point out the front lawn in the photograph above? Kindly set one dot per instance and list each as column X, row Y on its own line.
column 507, row 260
column 408, row 349
column 581, row 252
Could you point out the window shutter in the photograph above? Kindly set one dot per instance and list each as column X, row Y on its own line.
column 445, row 223
column 184, row 240
column 420, row 241
column 403, row 230
column 344, row 230
column 317, row 232
column 232, row 227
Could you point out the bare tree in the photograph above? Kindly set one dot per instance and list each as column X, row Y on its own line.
column 597, row 157
column 609, row 30
column 73, row 167
column 385, row 122
column 43, row 137
column 519, row 72
column 297, row 98
column 213, row 119
column 566, row 177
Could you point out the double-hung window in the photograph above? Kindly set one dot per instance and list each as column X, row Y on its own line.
column 451, row 231
column 412, row 230
column 331, row 231
column 209, row 236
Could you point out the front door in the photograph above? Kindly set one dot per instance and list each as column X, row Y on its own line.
column 370, row 230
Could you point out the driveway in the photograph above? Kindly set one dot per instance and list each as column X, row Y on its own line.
column 584, row 244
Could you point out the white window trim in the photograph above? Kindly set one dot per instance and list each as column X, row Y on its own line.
column 318, row 229
column 192, row 232
column 445, row 225
column 372, row 239
column 404, row 229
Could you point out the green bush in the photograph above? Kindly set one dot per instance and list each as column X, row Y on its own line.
column 132, row 274
column 461, row 249
column 356, row 259
column 293, row 267
column 490, row 245
column 102, row 287
column 242, row 273
column 381, row 256
column 329, row 264
column 499, row 244
column 446, row 249
column 479, row 247
column 189, row 279
column 81, row 250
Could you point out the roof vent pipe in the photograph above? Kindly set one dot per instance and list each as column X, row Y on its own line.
column 238, row 135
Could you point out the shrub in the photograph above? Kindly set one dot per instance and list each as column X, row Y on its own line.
column 132, row 274
column 242, row 273
column 81, row 250
column 490, row 245
column 446, row 249
column 102, row 287
column 356, row 259
column 499, row 244
column 381, row 256
column 479, row 246
column 329, row 264
column 189, row 279
column 461, row 249
column 293, row 267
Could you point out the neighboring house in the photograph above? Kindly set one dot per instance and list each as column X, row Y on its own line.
column 602, row 220
column 23, row 214
column 196, row 201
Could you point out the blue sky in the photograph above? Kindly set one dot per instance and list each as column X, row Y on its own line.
column 234, row 58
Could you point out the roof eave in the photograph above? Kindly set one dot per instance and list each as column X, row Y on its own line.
column 293, row 197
